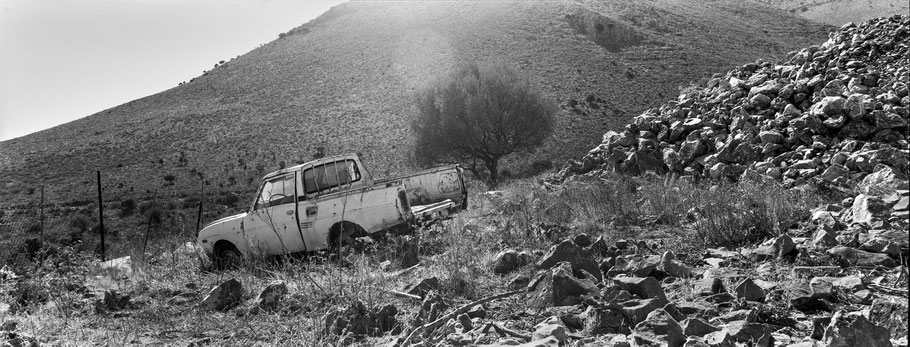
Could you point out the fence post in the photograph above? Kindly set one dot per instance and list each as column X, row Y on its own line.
column 149, row 228
column 199, row 214
column 41, row 219
column 100, row 214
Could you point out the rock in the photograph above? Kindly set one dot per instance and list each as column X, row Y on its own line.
column 658, row 328
column 644, row 287
column 638, row 310
column 749, row 291
column 709, row 285
column 112, row 301
column 465, row 322
column 567, row 251
column 505, row 262
column 829, row 106
column 635, row 265
column 847, row 284
column 697, row 327
column 697, row 307
column 606, row 320
column 756, row 334
column 891, row 242
column 777, row 247
column 545, row 330
column 671, row 267
column 478, row 311
column 358, row 321
column 862, row 258
column 519, row 281
column 551, row 341
column 431, row 308
column 852, row 329
column 803, row 298
column 582, row 240
column 272, row 295
column 423, row 287
column 890, row 312
column 771, row 136
column 884, row 182
column 223, row 296
column 559, row 287
column 674, row 312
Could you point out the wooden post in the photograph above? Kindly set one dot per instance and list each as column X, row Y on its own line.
column 41, row 208
column 100, row 215
column 149, row 228
column 199, row 214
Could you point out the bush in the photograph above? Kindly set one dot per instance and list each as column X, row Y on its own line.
column 480, row 114
column 127, row 207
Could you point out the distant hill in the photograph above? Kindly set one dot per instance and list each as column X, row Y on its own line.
column 840, row 12
column 344, row 82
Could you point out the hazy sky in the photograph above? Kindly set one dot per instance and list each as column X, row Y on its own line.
column 61, row 60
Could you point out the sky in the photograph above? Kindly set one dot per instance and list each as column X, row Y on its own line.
column 61, row 60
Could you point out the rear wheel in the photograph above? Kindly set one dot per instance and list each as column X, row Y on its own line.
column 342, row 234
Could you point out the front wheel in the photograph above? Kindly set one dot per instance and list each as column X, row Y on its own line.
column 227, row 257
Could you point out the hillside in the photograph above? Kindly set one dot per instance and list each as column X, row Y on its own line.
column 840, row 12
column 344, row 82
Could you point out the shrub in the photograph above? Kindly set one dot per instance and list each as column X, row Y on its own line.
column 480, row 114
column 127, row 207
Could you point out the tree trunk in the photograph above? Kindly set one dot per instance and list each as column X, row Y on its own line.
column 493, row 167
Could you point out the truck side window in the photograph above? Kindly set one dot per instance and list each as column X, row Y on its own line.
column 330, row 175
column 276, row 191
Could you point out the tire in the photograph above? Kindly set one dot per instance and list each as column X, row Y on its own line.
column 340, row 236
column 226, row 256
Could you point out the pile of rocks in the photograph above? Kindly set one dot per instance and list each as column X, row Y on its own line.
column 835, row 112
column 624, row 294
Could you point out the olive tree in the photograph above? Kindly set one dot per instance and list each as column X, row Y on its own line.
column 480, row 113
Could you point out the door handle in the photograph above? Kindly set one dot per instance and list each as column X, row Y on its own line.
column 289, row 212
column 311, row 211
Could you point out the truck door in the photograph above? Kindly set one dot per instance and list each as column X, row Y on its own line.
column 272, row 226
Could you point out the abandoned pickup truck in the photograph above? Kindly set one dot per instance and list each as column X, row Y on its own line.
column 321, row 204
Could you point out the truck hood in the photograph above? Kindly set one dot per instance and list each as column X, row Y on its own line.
column 226, row 219
column 222, row 227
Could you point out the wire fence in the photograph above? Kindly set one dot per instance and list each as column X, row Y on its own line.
column 134, row 223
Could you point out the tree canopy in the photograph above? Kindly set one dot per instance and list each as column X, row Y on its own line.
column 480, row 113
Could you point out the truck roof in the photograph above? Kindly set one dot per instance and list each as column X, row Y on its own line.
column 311, row 162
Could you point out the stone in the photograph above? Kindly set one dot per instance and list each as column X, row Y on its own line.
column 697, row 327
column 848, row 283
column 272, row 295
column 431, row 308
column 671, row 267
column 644, row 287
column 658, row 328
column 506, row 261
column 803, row 298
column 638, row 310
column 891, row 242
column 423, row 287
column 545, row 330
column 824, row 238
column 635, row 265
column 606, row 320
column 891, row 313
column 884, row 182
column 559, row 287
column 780, row 246
column 756, row 334
column 112, row 301
column 358, row 321
column 749, row 291
column 223, row 296
column 852, row 329
column 709, row 285
column 829, row 106
column 862, row 258
column 578, row 257
column 582, row 240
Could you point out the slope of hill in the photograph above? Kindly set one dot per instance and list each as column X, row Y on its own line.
column 343, row 82
column 840, row 12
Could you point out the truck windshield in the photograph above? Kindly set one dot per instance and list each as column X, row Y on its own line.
column 330, row 175
column 276, row 191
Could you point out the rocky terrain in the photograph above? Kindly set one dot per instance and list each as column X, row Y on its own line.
column 840, row 12
column 766, row 207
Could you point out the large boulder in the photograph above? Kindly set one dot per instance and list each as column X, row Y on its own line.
column 272, row 295
column 223, row 296
column 559, row 287
column 568, row 251
column 853, row 329
column 357, row 321
column 659, row 328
